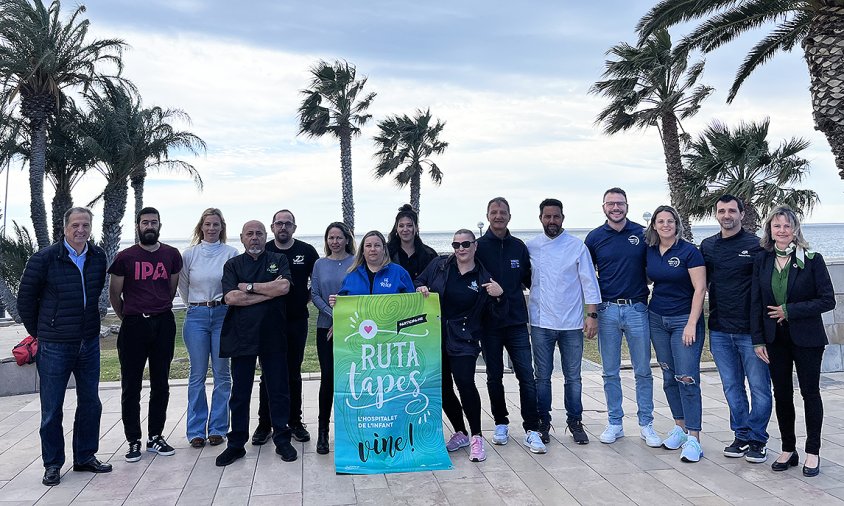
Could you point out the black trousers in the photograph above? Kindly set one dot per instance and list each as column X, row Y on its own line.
column 462, row 369
column 274, row 368
column 141, row 339
column 297, row 336
column 784, row 356
column 325, row 352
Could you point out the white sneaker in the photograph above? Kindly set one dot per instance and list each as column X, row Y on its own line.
column 501, row 435
column 650, row 436
column 611, row 433
column 534, row 442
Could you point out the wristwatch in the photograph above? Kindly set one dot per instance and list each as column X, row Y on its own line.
column 592, row 315
column 250, row 289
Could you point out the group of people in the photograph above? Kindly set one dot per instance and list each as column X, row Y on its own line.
column 766, row 298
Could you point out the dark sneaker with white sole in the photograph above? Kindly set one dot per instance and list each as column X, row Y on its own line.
column 157, row 444
column 737, row 449
column 577, row 432
column 300, row 433
column 757, row 453
column 134, row 453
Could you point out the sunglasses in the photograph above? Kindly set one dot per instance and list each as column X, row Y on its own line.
column 464, row 244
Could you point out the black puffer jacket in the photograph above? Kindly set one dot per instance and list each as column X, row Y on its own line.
column 50, row 299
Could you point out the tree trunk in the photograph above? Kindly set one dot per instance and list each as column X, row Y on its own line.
column 137, row 182
column 415, row 190
column 823, row 49
column 346, row 179
column 751, row 218
column 9, row 301
column 114, row 208
column 674, row 167
column 62, row 201
column 37, row 168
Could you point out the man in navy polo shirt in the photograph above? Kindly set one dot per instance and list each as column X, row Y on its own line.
column 618, row 251
column 729, row 268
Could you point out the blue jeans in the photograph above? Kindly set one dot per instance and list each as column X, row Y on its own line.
column 201, row 333
column 570, row 343
column 55, row 363
column 736, row 360
column 631, row 321
column 515, row 338
column 680, row 366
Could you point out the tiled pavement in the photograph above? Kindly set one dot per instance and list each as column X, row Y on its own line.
column 627, row 472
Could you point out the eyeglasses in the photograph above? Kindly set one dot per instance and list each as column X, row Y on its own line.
column 284, row 224
column 463, row 244
column 615, row 204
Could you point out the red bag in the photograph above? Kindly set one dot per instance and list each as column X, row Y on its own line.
column 24, row 352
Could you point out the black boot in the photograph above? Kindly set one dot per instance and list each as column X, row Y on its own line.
column 322, row 442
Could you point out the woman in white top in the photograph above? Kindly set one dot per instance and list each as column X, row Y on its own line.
column 201, row 290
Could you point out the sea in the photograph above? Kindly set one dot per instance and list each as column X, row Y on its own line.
column 826, row 238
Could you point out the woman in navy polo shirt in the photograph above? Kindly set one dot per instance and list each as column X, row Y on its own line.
column 677, row 270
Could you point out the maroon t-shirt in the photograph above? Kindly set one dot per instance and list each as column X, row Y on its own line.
column 146, row 278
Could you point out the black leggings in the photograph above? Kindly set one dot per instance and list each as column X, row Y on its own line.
column 782, row 353
column 325, row 352
column 462, row 368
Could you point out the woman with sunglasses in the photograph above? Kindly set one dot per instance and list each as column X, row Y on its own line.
column 469, row 297
column 327, row 276
column 405, row 246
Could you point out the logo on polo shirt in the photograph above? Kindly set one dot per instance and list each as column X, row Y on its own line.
column 514, row 264
column 745, row 254
column 634, row 240
column 299, row 260
column 674, row 262
column 473, row 286
column 385, row 283
column 272, row 268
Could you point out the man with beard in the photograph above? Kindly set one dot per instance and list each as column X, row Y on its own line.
column 507, row 260
column 144, row 278
column 562, row 279
column 253, row 286
column 729, row 258
column 618, row 250
column 301, row 258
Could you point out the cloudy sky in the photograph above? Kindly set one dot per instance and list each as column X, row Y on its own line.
column 510, row 81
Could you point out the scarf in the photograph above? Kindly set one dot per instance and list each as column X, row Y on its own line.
column 800, row 254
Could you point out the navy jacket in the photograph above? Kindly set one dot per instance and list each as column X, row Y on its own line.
column 485, row 310
column 809, row 295
column 392, row 278
column 729, row 268
column 50, row 299
column 508, row 262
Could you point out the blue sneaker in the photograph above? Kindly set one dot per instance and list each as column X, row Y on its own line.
column 534, row 442
column 692, row 452
column 501, row 435
column 675, row 438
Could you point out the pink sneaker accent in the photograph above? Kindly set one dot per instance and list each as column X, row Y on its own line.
column 458, row 440
column 477, row 453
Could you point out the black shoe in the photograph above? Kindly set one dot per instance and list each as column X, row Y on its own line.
column 737, row 449
column 287, row 452
column 322, row 442
column 93, row 466
column 812, row 471
column 229, row 456
column 577, row 432
column 134, row 453
column 300, row 433
column 261, row 436
column 544, row 429
column 157, row 444
column 783, row 466
column 757, row 453
column 52, row 476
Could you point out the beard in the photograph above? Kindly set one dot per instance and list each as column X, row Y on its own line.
column 255, row 250
column 552, row 230
column 148, row 237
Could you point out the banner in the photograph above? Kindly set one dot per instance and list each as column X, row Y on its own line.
column 388, row 384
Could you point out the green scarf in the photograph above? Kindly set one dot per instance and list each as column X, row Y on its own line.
column 800, row 254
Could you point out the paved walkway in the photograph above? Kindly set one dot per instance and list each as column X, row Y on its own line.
column 627, row 472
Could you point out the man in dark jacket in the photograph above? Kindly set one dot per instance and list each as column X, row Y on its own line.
column 57, row 302
column 253, row 285
column 729, row 258
column 508, row 262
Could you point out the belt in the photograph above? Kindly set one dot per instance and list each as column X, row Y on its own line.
column 209, row 303
column 625, row 302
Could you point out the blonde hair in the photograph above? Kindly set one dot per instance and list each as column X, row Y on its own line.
column 651, row 235
column 360, row 260
column 767, row 242
column 197, row 230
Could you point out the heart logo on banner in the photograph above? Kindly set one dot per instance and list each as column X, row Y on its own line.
column 368, row 329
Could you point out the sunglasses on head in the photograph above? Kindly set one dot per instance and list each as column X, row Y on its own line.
column 463, row 244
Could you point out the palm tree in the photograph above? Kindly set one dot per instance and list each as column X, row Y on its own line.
column 404, row 149
column 335, row 103
column 652, row 85
column 817, row 25
column 10, row 148
column 739, row 162
column 15, row 253
column 39, row 57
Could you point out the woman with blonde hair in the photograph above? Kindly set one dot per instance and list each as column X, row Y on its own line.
column 372, row 272
column 201, row 290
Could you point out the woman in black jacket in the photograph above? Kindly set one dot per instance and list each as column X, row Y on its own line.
column 468, row 297
column 405, row 246
column 791, row 288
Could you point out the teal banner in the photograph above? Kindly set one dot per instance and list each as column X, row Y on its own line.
column 388, row 384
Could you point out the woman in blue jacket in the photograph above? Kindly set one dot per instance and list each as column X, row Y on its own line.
column 372, row 273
